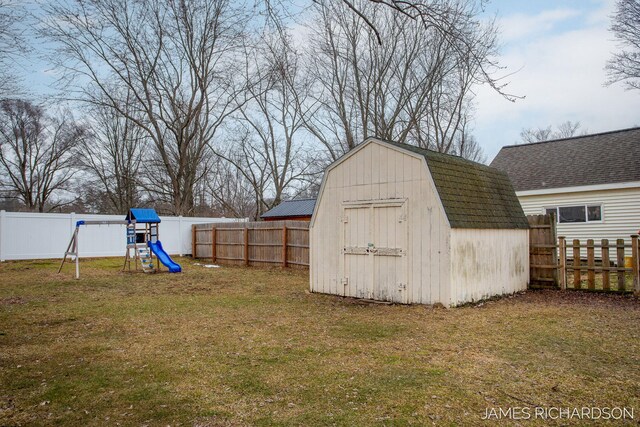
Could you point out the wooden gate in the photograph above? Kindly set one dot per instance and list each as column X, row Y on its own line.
column 543, row 251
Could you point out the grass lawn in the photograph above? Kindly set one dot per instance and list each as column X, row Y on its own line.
column 247, row 346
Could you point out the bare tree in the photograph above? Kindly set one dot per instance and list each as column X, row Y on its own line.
column 113, row 156
column 455, row 22
column 568, row 129
column 272, row 154
column 232, row 195
column 12, row 42
column 458, row 24
column 563, row 130
column 177, row 60
column 530, row 135
column 466, row 145
column 249, row 162
column 413, row 88
column 624, row 66
column 35, row 154
column 444, row 124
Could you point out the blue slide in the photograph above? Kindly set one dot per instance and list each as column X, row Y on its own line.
column 156, row 248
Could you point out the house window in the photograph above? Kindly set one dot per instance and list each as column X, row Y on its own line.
column 578, row 213
column 594, row 213
column 572, row 214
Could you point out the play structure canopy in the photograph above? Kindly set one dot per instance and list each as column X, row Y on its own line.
column 140, row 215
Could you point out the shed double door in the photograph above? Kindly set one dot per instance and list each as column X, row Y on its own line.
column 374, row 256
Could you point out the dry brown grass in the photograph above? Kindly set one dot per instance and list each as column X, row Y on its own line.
column 236, row 346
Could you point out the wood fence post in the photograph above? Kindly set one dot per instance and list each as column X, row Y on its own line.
column 246, row 245
column 213, row 244
column 3, row 230
column 577, row 273
column 193, row 242
column 554, row 250
column 634, row 262
column 620, row 256
column 591, row 265
column 284, row 245
column 606, row 265
column 562, row 262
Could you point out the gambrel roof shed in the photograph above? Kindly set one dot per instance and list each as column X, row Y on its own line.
column 400, row 223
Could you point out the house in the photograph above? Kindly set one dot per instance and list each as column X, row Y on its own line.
column 591, row 182
column 297, row 210
column 398, row 223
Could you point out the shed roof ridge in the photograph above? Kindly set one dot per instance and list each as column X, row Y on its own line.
column 430, row 152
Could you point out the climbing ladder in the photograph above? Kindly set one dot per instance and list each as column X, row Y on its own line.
column 146, row 260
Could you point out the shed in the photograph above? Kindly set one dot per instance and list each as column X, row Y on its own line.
column 296, row 209
column 394, row 222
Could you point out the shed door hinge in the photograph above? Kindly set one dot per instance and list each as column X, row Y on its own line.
column 402, row 286
column 344, row 281
column 344, row 218
column 402, row 218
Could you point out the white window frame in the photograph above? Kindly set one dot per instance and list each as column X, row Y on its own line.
column 573, row 205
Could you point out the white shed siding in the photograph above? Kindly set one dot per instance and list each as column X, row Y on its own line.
column 620, row 213
column 379, row 172
column 488, row 262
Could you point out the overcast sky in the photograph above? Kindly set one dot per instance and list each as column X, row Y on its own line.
column 557, row 49
column 560, row 48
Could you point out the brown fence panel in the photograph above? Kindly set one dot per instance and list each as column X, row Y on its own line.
column 543, row 251
column 599, row 272
column 298, row 245
column 283, row 243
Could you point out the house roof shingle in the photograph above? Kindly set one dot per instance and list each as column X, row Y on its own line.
column 473, row 195
column 602, row 158
column 291, row 208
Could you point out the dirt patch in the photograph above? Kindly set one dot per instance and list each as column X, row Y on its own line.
column 12, row 301
column 54, row 322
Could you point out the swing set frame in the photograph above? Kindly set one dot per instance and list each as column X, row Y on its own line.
column 73, row 250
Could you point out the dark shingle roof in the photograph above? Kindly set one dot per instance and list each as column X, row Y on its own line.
column 291, row 208
column 602, row 158
column 473, row 195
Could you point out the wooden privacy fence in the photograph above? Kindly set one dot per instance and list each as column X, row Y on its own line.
column 543, row 251
column 284, row 243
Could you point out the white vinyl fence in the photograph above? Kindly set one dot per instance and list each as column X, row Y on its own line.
column 26, row 235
